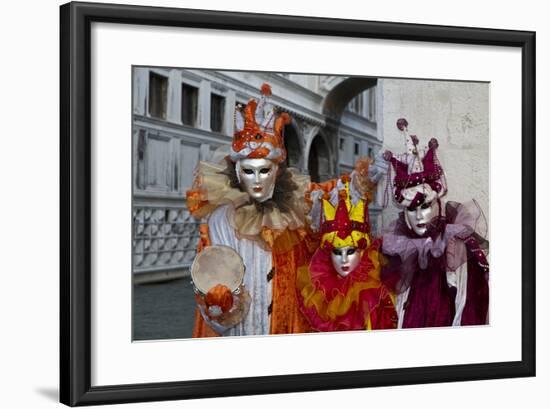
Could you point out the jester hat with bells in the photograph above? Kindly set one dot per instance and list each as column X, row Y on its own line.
column 415, row 168
column 346, row 224
column 259, row 130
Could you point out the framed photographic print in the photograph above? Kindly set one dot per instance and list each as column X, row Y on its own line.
column 264, row 203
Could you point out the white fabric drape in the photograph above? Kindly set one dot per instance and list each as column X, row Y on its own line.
column 460, row 281
column 258, row 264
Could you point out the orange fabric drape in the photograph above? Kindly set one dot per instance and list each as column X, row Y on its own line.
column 286, row 317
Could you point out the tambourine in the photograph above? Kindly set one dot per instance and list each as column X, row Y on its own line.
column 218, row 272
column 217, row 265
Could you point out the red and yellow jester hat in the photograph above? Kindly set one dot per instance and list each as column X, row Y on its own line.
column 259, row 130
column 345, row 224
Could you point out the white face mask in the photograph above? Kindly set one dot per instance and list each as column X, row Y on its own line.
column 257, row 177
column 345, row 259
column 418, row 219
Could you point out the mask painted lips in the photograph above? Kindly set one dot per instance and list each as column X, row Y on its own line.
column 345, row 268
column 421, row 225
column 258, row 189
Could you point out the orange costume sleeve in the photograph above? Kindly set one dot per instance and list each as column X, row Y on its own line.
column 291, row 250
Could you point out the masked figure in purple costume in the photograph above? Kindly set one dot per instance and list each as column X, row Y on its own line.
column 436, row 254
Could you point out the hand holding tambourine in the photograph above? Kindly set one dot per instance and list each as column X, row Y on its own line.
column 217, row 273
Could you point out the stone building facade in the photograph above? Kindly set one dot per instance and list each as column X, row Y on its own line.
column 181, row 116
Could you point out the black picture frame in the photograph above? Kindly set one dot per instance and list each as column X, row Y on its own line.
column 76, row 198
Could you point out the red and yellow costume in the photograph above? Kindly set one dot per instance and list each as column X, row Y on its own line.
column 359, row 300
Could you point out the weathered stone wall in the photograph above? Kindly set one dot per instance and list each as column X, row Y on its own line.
column 457, row 114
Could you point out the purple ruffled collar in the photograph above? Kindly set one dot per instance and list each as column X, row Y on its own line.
column 445, row 233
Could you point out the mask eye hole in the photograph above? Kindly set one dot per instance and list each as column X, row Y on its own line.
column 336, row 252
column 265, row 171
column 248, row 171
column 351, row 251
column 426, row 206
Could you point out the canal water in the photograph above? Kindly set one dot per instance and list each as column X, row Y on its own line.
column 163, row 310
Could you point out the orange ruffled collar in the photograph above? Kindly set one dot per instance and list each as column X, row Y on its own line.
column 212, row 188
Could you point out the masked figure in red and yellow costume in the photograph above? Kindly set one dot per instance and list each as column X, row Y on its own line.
column 254, row 204
column 340, row 289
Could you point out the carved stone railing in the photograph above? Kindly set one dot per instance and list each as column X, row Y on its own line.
column 164, row 238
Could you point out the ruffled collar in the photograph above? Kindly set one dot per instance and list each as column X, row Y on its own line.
column 262, row 222
column 334, row 303
column 325, row 278
column 461, row 220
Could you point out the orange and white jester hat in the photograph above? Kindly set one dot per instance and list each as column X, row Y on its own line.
column 345, row 224
column 259, row 130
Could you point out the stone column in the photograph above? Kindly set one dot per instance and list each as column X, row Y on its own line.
column 204, row 152
column 379, row 110
column 364, row 149
column 205, row 91
column 141, row 90
column 173, row 104
column 230, row 101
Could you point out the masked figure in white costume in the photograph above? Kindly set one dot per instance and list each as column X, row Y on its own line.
column 437, row 254
column 255, row 205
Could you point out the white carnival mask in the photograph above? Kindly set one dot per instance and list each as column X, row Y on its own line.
column 345, row 259
column 418, row 219
column 257, row 177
